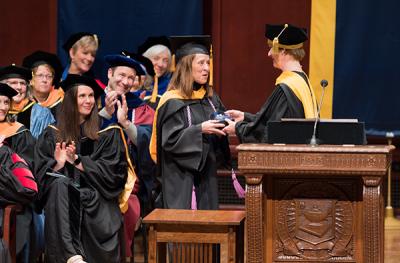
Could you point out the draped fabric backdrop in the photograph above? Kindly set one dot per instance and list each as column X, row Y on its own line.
column 354, row 45
column 125, row 24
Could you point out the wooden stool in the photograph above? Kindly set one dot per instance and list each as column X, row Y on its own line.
column 193, row 233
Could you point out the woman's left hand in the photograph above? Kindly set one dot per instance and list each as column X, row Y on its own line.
column 212, row 127
column 71, row 152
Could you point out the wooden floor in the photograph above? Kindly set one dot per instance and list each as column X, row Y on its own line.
column 392, row 247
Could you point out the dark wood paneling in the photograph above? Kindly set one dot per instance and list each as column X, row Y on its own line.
column 25, row 27
column 244, row 76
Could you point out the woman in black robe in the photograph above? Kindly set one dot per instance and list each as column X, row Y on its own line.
column 45, row 69
column 185, row 142
column 293, row 96
column 81, row 173
column 17, row 184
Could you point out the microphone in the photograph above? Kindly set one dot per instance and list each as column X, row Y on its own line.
column 313, row 141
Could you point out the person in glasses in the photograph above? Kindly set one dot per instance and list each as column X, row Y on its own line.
column 46, row 72
column 18, row 78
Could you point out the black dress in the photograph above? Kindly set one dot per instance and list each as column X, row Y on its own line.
column 82, row 209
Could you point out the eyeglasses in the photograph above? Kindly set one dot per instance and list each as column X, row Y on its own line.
column 42, row 76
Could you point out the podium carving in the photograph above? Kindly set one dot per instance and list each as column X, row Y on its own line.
column 314, row 204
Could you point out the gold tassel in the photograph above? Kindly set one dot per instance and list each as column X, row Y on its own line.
column 96, row 39
column 275, row 46
column 173, row 66
column 275, row 42
column 155, row 90
column 211, row 79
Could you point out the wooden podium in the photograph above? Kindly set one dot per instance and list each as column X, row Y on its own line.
column 314, row 204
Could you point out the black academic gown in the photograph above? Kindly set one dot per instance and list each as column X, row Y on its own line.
column 82, row 209
column 23, row 144
column 282, row 103
column 11, row 191
column 186, row 156
column 24, row 117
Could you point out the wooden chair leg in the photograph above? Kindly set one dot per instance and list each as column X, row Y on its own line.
column 144, row 231
column 9, row 229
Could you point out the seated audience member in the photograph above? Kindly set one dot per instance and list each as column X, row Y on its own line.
column 128, row 109
column 81, row 173
column 81, row 48
column 17, row 184
column 18, row 78
column 46, row 73
column 157, row 49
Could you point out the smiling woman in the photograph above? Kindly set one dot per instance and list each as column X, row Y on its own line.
column 16, row 188
column 81, row 48
column 81, row 172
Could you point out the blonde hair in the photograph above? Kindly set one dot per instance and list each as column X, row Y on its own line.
column 88, row 42
column 182, row 79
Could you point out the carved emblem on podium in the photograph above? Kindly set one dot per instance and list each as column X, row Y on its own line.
column 315, row 226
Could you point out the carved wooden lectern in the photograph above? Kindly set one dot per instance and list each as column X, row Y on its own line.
column 314, row 204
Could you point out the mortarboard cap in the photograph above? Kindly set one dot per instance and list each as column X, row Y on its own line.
column 74, row 79
column 124, row 60
column 152, row 41
column 188, row 45
column 39, row 57
column 183, row 46
column 75, row 38
column 7, row 91
column 14, row 71
column 285, row 36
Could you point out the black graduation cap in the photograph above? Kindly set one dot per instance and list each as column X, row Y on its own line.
column 152, row 41
column 188, row 45
column 285, row 36
column 145, row 62
column 6, row 90
column 124, row 60
column 40, row 57
column 74, row 79
column 14, row 71
column 75, row 38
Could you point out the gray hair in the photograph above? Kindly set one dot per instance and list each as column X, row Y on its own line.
column 157, row 49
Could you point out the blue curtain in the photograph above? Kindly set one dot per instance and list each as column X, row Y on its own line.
column 125, row 24
column 366, row 69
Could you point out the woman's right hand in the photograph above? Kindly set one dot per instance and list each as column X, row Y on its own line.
column 212, row 127
column 236, row 115
column 60, row 155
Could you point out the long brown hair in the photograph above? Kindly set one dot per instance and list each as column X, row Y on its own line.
column 182, row 79
column 68, row 119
